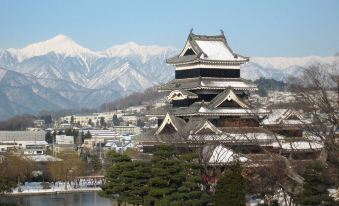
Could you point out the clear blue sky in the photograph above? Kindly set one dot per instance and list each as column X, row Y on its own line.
column 253, row 28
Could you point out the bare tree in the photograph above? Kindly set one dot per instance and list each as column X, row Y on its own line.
column 68, row 169
column 319, row 91
column 16, row 168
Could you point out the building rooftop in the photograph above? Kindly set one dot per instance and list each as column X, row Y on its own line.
column 199, row 83
column 22, row 135
column 208, row 49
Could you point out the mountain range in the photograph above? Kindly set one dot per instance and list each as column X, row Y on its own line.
column 61, row 74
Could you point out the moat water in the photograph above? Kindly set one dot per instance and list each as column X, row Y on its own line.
column 69, row 199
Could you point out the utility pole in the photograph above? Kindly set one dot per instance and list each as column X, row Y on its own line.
column 53, row 136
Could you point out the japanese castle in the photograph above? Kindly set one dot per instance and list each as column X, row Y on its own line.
column 208, row 104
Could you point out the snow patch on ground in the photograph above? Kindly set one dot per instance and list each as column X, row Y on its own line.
column 36, row 187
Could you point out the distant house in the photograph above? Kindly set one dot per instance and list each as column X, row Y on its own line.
column 126, row 130
column 98, row 137
column 65, row 126
column 39, row 123
column 130, row 119
column 64, row 143
column 34, row 147
column 24, row 147
column 136, row 109
column 119, row 146
column 26, row 142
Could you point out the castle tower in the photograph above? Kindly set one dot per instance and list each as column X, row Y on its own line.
column 208, row 84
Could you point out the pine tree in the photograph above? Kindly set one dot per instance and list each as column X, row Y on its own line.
column 115, row 120
column 96, row 162
column 49, row 137
column 88, row 135
column 113, row 158
column 90, row 122
column 231, row 188
column 6, row 185
column 166, row 180
column 175, row 181
column 192, row 191
column 315, row 191
column 127, row 181
column 82, row 137
column 102, row 122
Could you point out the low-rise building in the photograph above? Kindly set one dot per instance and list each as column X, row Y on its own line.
column 26, row 142
column 130, row 119
column 26, row 147
column 136, row 109
column 64, row 143
column 98, row 137
column 39, row 123
column 22, row 135
column 126, row 130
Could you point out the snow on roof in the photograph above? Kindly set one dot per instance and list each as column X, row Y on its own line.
column 228, row 95
column 215, row 50
column 243, row 137
column 231, row 111
column 274, row 117
column 25, row 142
column 22, row 135
column 281, row 116
column 223, row 155
column 295, row 122
column 223, row 83
column 299, row 145
column 176, row 122
column 42, row 158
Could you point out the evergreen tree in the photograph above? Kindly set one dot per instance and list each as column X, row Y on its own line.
column 6, row 185
column 102, row 122
column 130, row 181
column 113, row 158
column 166, row 180
column 82, row 137
column 90, row 122
column 190, row 192
column 231, row 188
column 115, row 186
column 115, row 120
column 49, row 137
column 88, row 135
column 69, row 132
column 72, row 119
column 140, row 123
column 315, row 186
column 96, row 162
column 175, row 181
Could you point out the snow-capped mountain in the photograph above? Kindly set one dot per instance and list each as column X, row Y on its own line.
column 280, row 68
column 73, row 76
column 61, row 74
column 59, row 45
column 133, row 49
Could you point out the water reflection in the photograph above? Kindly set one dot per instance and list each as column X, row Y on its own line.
column 70, row 199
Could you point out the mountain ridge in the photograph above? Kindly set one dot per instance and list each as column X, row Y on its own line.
column 61, row 74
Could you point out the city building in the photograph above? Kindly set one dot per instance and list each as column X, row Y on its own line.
column 126, row 130
column 39, row 123
column 24, row 142
column 64, row 144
